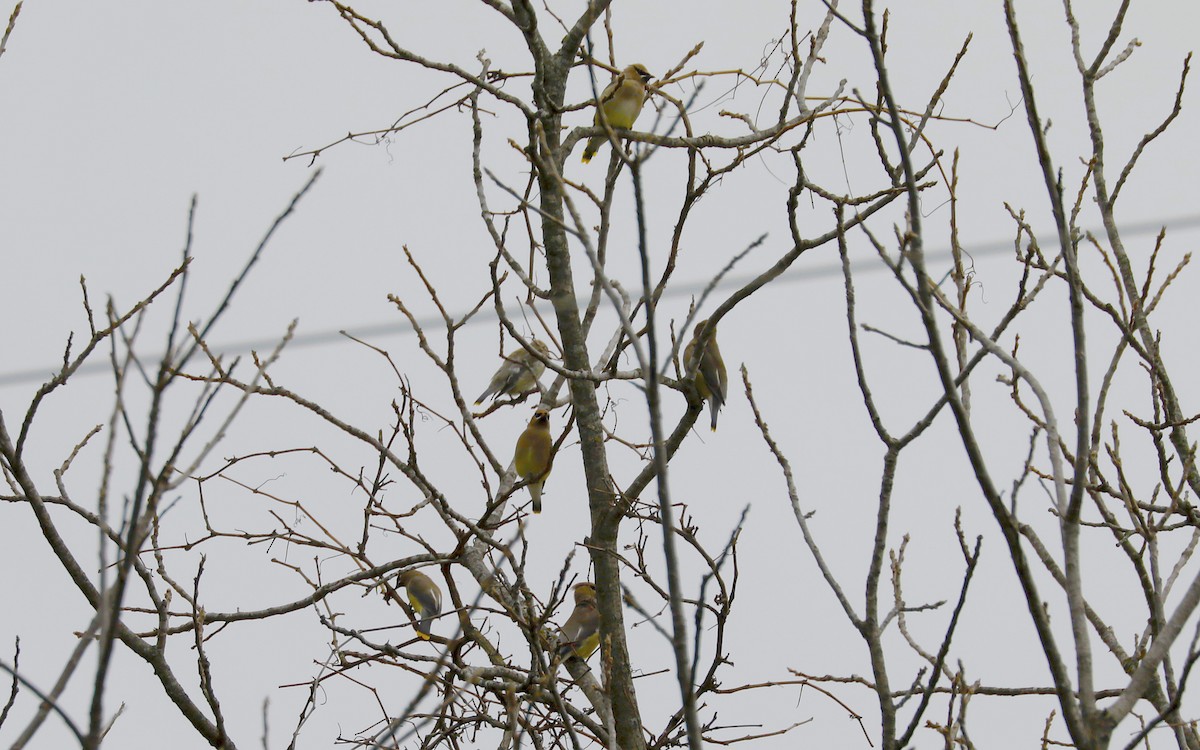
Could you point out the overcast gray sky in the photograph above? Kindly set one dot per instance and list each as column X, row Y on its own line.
column 113, row 115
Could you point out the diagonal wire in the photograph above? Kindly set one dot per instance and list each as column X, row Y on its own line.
column 812, row 273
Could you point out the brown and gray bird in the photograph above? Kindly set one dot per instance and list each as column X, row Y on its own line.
column 580, row 635
column 712, row 382
column 520, row 371
column 621, row 102
column 533, row 456
column 425, row 598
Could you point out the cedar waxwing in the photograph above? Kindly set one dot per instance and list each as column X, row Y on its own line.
column 520, row 371
column 712, row 382
column 581, row 633
column 425, row 598
column 533, row 457
column 622, row 102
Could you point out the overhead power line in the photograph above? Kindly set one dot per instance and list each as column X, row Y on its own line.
column 807, row 273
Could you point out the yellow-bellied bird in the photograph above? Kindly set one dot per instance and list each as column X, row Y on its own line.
column 425, row 598
column 520, row 371
column 533, row 457
column 581, row 633
column 712, row 382
column 621, row 101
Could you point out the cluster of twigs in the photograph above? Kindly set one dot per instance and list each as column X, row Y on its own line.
column 494, row 675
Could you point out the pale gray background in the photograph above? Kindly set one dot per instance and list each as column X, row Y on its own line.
column 112, row 115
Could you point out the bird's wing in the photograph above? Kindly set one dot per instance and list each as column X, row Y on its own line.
column 714, row 373
column 426, row 600
column 583, row 624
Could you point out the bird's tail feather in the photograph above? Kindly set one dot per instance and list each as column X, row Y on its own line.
column 593, row 145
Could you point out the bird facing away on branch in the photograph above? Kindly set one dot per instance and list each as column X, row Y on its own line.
column 621, row 102
column 712, row 382
column 425, row 598
column 518, row 373
column 580, row 635
column 533, row 457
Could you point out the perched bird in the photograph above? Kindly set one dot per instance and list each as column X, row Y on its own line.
column 520, row 371
column 425, row 598
column 712, row 382
column 621, row 101
column 533, row 457
column 581, row 633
